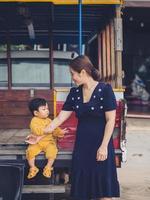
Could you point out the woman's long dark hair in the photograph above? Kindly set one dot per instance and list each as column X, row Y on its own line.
column 83, row 62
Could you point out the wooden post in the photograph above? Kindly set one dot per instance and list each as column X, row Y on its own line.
column 118, row 83
column 50, row 28
column 9, row 65
column 108, row 61
column 104, row 54
column 112, row 39
column 100, row 54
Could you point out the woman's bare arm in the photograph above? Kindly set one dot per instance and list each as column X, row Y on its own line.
column 110, row 122
column 63, row 116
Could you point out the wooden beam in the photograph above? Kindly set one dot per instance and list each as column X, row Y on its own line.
column 51, row 59
column 118, row 56
column 9, row 64
column 104, row 54
column 137, row 3
column 71, row 2
column 100, row 54
column 112, row 39
column 108, row 61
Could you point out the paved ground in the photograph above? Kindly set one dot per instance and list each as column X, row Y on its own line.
column 134, row 175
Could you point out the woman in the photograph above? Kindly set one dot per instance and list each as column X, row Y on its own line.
column 93, row 166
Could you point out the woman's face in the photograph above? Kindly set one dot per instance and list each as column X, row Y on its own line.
column 76, row 77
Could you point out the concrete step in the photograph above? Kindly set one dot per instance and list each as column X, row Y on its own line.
column 43, row 189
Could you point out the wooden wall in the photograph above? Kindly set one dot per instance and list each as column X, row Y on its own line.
column 14, row 112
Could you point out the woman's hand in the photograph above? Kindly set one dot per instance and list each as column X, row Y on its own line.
column 102, row 153
column 33, row 139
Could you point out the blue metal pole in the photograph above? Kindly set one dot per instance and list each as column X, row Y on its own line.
column 80, row 27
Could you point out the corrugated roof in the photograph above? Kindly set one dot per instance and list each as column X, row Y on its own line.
column 65, row 20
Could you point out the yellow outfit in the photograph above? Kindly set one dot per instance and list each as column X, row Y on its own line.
column 47, row 144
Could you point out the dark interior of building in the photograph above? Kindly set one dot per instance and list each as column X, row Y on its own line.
column 136, row 59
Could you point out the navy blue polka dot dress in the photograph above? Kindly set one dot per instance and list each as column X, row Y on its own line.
column 92, row 179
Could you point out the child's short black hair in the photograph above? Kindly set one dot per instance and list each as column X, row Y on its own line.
column 34, row 104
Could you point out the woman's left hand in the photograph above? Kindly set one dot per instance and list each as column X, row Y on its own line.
column 102, row 153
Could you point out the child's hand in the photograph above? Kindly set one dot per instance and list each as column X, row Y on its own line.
column 33, row 139
column 60, row 133
column 63, row 132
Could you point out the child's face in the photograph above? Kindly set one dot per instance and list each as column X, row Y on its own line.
column 43, row 112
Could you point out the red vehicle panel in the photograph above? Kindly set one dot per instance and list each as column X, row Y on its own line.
column 67, row 142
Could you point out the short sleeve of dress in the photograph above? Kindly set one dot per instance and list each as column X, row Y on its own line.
column 109, row 98
column 69, row 103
